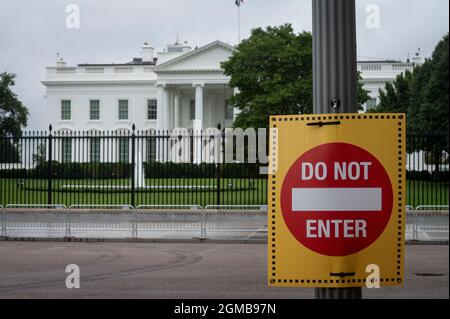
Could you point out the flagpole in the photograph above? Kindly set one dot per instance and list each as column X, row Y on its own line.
column 239, row 22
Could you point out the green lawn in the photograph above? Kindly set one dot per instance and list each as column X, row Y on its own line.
column 186, row 191
column 159, row 192
column 426, row 193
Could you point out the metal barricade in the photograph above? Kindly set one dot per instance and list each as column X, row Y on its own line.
column 31, row 223
column 168, row 223
column 433, row 207
column 124, row 206
column 100, row 223
column 37, row 206
column 427, row 226
column 220, row 223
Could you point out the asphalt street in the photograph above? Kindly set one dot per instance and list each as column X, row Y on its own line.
column 156, row 270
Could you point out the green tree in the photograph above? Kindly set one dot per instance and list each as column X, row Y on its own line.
column 396, row 96
column 13, row 117
column 423, row 95
column 272, row 71
column 429, row 108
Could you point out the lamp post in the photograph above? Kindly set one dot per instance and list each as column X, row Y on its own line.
column 335, row 79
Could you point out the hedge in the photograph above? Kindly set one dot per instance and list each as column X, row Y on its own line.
column 122, row 171
column 73, row 171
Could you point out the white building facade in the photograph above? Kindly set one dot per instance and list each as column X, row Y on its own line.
column 376, row 74
column 181, row 87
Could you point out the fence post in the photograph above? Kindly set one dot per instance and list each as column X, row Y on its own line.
column 68, row 224
column 218, row 159
column 133, row 165
column 49, row 166
column 203, row 218
column 134, row 224
column 4, row 234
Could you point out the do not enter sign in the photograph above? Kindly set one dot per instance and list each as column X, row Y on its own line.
column 336, row 199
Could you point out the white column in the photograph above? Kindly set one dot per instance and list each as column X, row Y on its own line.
column 167, row 115
column 160, row 105
column 177, row 110
column 198, row 122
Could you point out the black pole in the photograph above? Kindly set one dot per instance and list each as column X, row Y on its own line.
column 49, row 166
column 335, row 79
column 133, row 165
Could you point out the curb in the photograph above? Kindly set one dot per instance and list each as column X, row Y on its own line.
column 134, row 240
column 177, row 241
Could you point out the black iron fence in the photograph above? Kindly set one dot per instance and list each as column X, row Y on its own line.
column 178, row 167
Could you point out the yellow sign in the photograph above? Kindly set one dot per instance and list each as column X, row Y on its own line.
column 336, row 200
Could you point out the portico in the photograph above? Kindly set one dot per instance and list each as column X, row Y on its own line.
column 193, row 92
column 197, row 106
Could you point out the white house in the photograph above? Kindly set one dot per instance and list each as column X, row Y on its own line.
column 181, row 87
column 376, row 74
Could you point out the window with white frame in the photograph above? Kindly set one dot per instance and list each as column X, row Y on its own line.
column 66, row 110
column 94, row 110
column 229, row 110
column 124, row 150
column 151, row 149
column 123, row 109
column 95, row 150
column 66, row 150
column 152, row 109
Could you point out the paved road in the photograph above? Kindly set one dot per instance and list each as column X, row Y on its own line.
column 133, row 270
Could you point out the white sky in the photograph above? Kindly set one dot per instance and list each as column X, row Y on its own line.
column 31, row 32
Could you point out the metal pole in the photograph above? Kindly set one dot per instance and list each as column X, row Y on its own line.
column 133, row 165
column 239, row 22
column 49, row 166
column 334, row 56
column 335, row 79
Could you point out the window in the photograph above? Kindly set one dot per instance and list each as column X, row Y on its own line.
column 124, row 147
column 94, row 110
column 229, row 110
column 151, row 149
column 66, row 114
column 123, row 109
column 192, row 110
column 95, row 150
column 66, row 150
column 152, row 109
column 371, row 104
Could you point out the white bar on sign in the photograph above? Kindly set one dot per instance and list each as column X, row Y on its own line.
column 336, row 199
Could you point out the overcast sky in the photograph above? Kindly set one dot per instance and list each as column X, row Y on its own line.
column 31, row 32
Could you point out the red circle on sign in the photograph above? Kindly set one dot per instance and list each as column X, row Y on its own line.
column 341, row 204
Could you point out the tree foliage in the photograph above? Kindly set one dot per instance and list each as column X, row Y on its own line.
column 13, row 114
column 395, row 98
column 423, row 96
column 273, row 73
column 13, row 117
